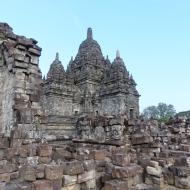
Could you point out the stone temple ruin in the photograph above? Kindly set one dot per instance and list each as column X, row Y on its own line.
column 91, row 85
column 80, row 129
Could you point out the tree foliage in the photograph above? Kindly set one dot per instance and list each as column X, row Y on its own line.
column 162, row 112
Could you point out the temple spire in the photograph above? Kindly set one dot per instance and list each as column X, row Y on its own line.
column 89, row 33
column 71, row 60
column 117, row 54
column 57, row 56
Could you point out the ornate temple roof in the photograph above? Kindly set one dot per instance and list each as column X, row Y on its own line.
column 56, row 71
column 89, row 49
column 118, row 61
column 90, row 65
column 118, row 68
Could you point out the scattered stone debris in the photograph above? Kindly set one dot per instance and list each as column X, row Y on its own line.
column 80, row 129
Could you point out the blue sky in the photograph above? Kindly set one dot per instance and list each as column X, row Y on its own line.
column 153, row 37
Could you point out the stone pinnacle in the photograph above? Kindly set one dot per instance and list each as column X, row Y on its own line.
column 117, row 54
column 89, row 33
column 57, row 56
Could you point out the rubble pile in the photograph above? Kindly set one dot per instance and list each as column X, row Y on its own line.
column 163, row 151
column 140, row 162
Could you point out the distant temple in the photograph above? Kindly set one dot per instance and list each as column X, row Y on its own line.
column 90, row 85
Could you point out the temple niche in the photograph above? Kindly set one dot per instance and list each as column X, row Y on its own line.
column 91, row 85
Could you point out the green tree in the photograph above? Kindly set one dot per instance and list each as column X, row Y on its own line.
column 162, row 112
column 150, row 111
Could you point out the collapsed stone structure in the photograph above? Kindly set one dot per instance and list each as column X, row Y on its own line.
column 80, row 129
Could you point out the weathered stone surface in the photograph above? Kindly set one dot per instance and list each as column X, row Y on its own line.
column 169, row 177
column 2, row 186
column 2, row 154
column 27, row 150
column 145, row 187
column 137, row 179
column 43, row 185
column 155, row 181
column 90, row 184
column 89, row 165
column 27, row 173
column 69, row 179
column 185, row 147
column 14, row 175
column 44, row 150
column 182, row 182
column 115, row 185
column 127, row 171
column 34, row 51
column 100, row 165
column 99, row 154
column 17, row 79
column 57, row 184
column 53, row 172
column 141, row 139
column 73, row 168
column 33, row 160
column 7, row 167
column 19, row 185
column 4, row 143
column 62, row 154
column 71, row 187
column 44, row 160
column 157, row 172
column 121, row 159
column 182, row 161
column 5, row 177
column 86, row 176
column 40, row 171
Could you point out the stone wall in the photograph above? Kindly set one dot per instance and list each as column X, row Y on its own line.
column 6, row 100
column 66, row 165
column 58, row 105
column 20, row 80
column 132, row 104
